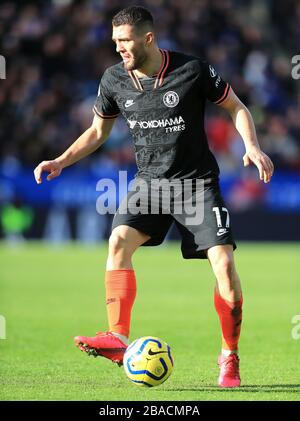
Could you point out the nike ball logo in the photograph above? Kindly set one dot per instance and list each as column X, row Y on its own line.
column 150, row 352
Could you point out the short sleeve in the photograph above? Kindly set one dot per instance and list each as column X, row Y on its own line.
column 215, row 88
column 105, row 106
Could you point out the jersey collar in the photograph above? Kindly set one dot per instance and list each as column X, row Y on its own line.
column 160, row 75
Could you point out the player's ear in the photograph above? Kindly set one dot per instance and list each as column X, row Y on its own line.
column 149, row 38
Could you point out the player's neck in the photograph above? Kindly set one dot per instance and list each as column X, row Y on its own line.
column 151, row 66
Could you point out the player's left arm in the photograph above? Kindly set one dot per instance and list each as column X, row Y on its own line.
column 243, row 122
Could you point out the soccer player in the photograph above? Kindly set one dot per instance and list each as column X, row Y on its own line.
column 162, row 94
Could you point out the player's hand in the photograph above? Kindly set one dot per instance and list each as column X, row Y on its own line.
column 52, row 167
column 262, row 161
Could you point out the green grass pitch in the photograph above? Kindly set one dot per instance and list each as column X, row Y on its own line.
column 48, row 295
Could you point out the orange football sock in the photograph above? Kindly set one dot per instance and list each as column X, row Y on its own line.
column 120, row 287
column 230, row 315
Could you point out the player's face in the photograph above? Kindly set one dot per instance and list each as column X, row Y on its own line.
column 130, row 45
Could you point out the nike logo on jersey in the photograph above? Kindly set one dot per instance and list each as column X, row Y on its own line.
column 222, row 231
column 129, row 103
column 150, row 352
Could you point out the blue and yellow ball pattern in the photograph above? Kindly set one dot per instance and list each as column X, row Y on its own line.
column 148, row 361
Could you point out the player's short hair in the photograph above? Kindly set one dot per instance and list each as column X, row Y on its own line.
column 136, row 16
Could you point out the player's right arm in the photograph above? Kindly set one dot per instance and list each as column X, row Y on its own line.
column 86, row 144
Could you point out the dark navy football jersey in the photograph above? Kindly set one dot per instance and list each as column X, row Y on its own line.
column 165, row 114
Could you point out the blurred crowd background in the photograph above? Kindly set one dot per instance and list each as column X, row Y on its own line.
column 57, row 50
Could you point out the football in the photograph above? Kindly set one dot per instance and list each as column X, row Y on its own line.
column 148, row 361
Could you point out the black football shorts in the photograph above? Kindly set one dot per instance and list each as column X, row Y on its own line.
column 195, row 206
